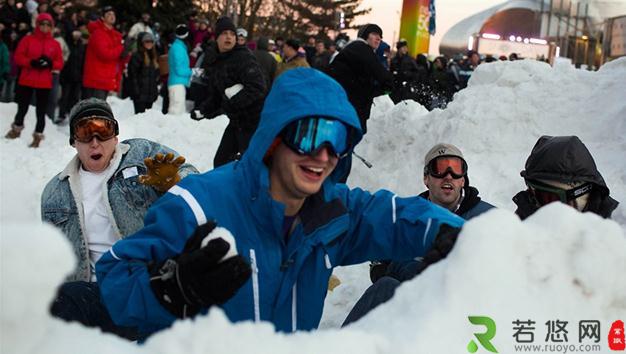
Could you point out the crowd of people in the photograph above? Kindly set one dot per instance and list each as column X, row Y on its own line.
column 260, row 234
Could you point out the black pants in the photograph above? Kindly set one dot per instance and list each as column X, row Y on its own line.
column 141, row 106
column 234, row 143
column 80, row 301
column 23, row 95
column 53, row 98
column 378, row 293
column 89, row 92
column 70, row 94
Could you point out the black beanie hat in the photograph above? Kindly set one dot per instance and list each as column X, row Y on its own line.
column 402, row 43
column 181, row 31
column 369, row 28
column 90, row 107
column 224, row 24
column 106, row 9
column 293, row 43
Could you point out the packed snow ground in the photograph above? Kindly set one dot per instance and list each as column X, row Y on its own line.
column 558, row 264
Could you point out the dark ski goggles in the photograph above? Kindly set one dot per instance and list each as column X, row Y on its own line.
column 86, row 129
column 545, row 193
column 308, row 136
column 441, row 166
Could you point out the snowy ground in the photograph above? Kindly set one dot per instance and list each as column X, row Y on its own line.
column 559, row 264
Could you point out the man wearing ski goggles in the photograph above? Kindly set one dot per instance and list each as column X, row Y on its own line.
column 445, row 172
column 308, row 151
column 94, row 127
column 546, row 192
column 309, row 135
column 561, row 169
column 121, row 178
column 291, row 220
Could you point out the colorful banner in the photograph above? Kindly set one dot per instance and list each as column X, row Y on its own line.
column 414, row 25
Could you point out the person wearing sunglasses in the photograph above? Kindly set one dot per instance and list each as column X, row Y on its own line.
column 102, row 196
column 38, row 55
column 561, row 169
column 290, row 220
column 447, row 183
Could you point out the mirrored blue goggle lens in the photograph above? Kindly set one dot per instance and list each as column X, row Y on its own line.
column 307, row 136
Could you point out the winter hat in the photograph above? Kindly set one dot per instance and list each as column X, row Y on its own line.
column 441, row 150
column 45, row 17
column 91, row 107
column 106, row 9
column 181, row 31
column 293, row 43
column 402, row 43
column 262, row 43
column 369, row 28
column 224, row 24
column 241, row 32
column 146, row 37
column 564, row 159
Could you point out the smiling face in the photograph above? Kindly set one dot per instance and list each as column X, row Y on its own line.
column 293, row 177
column 96, row 155
column 446, row 191
column 226, row 41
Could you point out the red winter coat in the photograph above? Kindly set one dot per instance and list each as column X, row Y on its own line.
column 33, row 46
column 103, row 66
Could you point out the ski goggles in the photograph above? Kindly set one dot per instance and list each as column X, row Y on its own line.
column 308, row 136
column 545, row 193
column 86, row 129
column 441, row 166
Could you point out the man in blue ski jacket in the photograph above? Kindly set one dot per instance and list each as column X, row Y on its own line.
column 291, row 221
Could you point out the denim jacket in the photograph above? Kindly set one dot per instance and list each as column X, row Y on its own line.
column 127, row 200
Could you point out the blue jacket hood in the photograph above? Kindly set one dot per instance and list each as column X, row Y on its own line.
column 307, row 92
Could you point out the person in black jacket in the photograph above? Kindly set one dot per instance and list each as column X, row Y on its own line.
column 405, row 73
column 560, row 168
column 266, row 60
column 143, row 74
column 359, row 72
column 71, row 78
column 234, row 86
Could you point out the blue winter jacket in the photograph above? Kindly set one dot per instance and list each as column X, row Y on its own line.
column 178, row 62
column 336, row 226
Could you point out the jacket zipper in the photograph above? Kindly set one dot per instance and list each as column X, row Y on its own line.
column 255, row 286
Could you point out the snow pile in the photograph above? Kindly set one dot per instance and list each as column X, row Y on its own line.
column 496, row 122
column 559, row 264
column 552, row 266
column 34, row 260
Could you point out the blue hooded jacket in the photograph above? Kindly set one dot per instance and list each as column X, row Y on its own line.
column 336, row 227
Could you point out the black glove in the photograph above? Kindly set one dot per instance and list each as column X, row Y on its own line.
column 378, row 270
column 196, row 115
column 442, row 245
column 35, row 63
column 216, row 113
column 45, row 62
column 198, row 278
